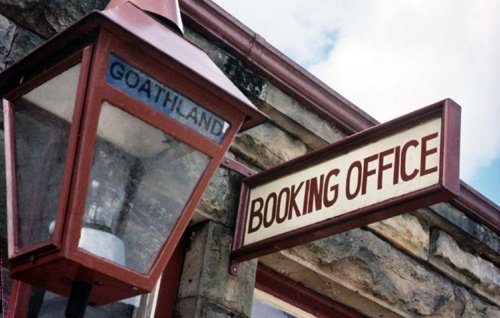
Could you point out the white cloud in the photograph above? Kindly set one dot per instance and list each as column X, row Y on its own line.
column 391, row 57
column 289, row 25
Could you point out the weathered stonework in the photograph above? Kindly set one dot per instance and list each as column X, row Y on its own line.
column 318, row 133
column 206, row 279
column 286, row 112
column 219, row 202
column 370, row 267
column 405, row 232
column 48, row 17
column 468, row 305
column 15, row 42
column 434, row 262
column 266, row 146
column 489, row 242
column 358, row 264
column 471, row 270
column 7, row 31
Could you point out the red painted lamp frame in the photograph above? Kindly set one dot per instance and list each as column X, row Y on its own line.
column 138, row 39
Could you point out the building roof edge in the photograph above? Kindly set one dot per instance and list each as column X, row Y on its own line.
column 210, row 20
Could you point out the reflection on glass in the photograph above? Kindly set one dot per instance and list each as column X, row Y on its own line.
column 140, row 181
column 262, row 309
column 42, row 120
column 269, row 306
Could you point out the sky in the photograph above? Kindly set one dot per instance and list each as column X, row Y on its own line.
column 392, row 57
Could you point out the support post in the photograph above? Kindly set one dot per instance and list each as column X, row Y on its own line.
column 77, row 302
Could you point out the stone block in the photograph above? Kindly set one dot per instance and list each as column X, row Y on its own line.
column 47, row 17
column 283, row 110
column 335, row 288
column 467, row 268
column 7, row 31
column 22, row 43
column 376, row 272
column 468, row 305
column 220, row 200
column 266, row 146
column 286, row 105
column 474, row 230
column 206, row 272
column 405, row 232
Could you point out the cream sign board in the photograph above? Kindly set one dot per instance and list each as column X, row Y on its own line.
column 389, row 169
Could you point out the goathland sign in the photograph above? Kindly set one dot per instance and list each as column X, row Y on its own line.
column 161, row 97
column 392, row 168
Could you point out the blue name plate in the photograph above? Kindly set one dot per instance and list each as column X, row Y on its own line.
column 161, row 97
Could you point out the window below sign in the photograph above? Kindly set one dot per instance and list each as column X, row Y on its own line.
column 267, row 305
column 276, row 295
column 44, row 304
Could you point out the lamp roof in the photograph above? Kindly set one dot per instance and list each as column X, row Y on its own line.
column 128, row 17
column 167, row 10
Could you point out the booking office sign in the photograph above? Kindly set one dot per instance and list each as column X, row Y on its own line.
column 389, row 169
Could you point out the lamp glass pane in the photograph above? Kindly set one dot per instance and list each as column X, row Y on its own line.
column 42, row 122
column 140, row 182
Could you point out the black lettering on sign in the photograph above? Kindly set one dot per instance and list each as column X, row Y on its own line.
column 161, row 97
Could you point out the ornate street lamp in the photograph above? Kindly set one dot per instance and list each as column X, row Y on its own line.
column 113, row 130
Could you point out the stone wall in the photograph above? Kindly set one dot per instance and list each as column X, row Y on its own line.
column 420, row 264
column 434, row 262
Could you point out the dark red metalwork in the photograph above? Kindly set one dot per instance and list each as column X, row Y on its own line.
column 447, row 187
column 19, row 300
column 10, row 178
column 189, row 57
column 167, row 9
column 167, row 293
column 156, row 50
column 145, row 32
column 478, row 207
column 170, row 280
column 15, row 254
column 238, row 167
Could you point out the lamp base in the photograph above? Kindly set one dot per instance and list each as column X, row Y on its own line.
column 102, row 244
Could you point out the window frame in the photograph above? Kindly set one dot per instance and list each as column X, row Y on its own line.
column 297, row 295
